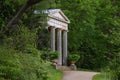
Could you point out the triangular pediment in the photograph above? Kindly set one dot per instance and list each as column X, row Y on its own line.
column 55, row 18
column 59, row 15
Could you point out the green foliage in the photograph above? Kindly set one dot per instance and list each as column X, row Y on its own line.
column 10, row 67
column 19, row 58
column 49, row 55
column 54, row 74
column 94, row 34
column 93, row 31
column 8, row 9
column 54, row 55
column 102, row 76
column 21, row 39
column 15, row 65
column 45, row 4
column 115, row 67
column 112, row 71
column 73, row 57
column 43, row 40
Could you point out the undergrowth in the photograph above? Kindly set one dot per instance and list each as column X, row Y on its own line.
column 16, row 65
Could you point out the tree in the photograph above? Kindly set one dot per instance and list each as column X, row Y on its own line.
column 15, row 19
column 94, row 25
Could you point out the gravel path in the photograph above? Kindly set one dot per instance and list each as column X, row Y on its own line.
column 78, row 75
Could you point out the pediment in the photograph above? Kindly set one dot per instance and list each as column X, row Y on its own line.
column 58, row 15
column 56, row 18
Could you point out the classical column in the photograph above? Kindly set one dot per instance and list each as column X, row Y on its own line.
column 59, row 46
column 52, row 31
column 64, row 47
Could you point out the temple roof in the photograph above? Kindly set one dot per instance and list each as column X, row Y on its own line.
column 55, row 14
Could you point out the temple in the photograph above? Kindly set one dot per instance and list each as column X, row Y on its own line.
column 57, row 22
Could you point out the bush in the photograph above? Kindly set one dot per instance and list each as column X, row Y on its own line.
column 115, row 67
column 49, row 55
column 102, row 76
column 16, row 65
column 54, row 55
column 22, row 39
column 10, row 67
column 73, row 57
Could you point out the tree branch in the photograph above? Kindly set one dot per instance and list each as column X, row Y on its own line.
column 19, row 14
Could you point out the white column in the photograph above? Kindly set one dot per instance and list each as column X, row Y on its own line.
column 52, row 31
column 59, row 46
column 64, row 47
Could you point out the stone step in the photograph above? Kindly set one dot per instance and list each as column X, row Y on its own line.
column 63, row 68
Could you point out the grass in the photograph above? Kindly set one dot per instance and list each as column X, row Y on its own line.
column 55, row 74
column 102, row 76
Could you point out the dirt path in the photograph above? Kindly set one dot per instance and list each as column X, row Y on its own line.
column 78, row 75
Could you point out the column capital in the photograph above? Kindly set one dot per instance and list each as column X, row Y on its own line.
column 52, row 27
column 59, row 29
column 62, row 29
column 66, row 30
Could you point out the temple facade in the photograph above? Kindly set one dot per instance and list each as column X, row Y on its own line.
column 57, row 23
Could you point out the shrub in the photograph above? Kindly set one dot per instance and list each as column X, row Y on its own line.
column 21, row 39
column 16, row 65
column 115, row 67
column 10, row 67
column 54, row 55
column 45, row 55
column 73, row 57
column 49, row 55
